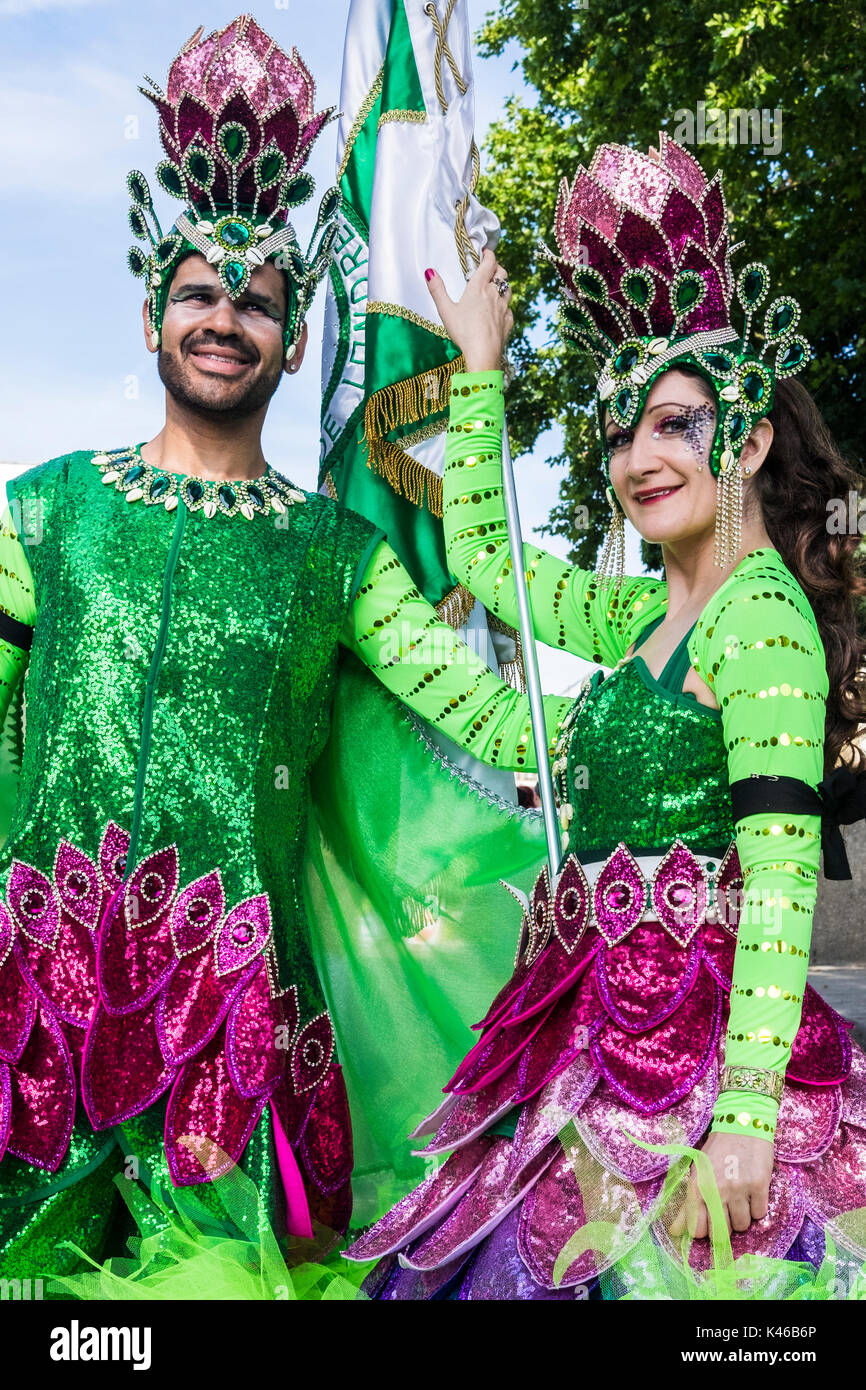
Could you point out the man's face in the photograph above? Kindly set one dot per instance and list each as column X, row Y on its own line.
column 220, row 356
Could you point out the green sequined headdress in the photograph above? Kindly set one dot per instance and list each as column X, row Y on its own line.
column 237, row 123
column 643, row 253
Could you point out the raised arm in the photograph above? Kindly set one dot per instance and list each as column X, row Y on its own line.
column 569, row 609
column 759, row 649
column 397, row 634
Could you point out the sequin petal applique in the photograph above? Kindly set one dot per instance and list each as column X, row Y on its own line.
column 821, row 1054
column 193, row 1004
column 258, row 1035
column 63, row 976
column 326, row 1144
column 653, row 1069
column 807, row 1121
column 17, row 1010
column 644, row 979
column 123, row 1069
column 605, row 1122
column 425, row 1206
column 204, row 1103
column 43, row 1096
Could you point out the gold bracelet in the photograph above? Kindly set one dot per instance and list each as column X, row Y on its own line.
column 758, row 1079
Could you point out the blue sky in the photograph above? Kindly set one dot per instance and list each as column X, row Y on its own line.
column 72, row 123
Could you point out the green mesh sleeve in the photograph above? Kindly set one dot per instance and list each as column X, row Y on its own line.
column 16, row 599
column 758, row 647
column 569, row 609
column 417, row 657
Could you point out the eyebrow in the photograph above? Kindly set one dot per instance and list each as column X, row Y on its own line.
column 250, row 296
column 678, row 405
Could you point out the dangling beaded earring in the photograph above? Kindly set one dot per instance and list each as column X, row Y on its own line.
column 612, row 563
column 729, row 511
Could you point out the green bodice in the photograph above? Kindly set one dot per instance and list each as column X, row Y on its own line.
column 180, row 684
column 647, row 765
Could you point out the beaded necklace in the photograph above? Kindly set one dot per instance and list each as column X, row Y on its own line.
column 139, row 481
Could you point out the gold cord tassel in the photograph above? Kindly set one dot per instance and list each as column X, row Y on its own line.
column 611, row 566
column 729, row 514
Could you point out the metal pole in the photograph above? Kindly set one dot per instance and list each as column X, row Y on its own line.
column 530, row 661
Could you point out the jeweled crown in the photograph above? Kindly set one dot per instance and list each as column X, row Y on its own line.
column 237, row 122
column 643, row 252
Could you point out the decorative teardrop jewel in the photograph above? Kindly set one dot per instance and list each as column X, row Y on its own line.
column 137, row 481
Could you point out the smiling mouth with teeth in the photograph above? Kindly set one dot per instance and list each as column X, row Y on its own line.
column 657, row 495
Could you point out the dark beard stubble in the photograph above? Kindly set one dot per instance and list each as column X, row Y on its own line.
column 257, row 394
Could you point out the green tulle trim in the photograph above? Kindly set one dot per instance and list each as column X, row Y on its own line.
column 185, row 1253
column 642, row 1269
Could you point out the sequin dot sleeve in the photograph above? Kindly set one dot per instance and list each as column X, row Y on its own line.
column 17, row 602
column 569, row 609
column 759, row 649
column 398, row 635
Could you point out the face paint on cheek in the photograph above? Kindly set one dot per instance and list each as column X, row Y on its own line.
column 693, row 424
column 698, row 432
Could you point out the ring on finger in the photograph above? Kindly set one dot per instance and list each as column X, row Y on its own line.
column 502, row 286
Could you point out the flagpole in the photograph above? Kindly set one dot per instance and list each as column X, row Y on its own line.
column 530, row 661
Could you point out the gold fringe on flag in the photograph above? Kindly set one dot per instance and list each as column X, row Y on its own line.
column 407, row 476
column 394, row 407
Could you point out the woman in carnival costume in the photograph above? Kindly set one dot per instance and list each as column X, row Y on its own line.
column 658, row 1014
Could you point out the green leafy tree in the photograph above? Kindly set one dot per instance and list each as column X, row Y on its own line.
column 620, row 72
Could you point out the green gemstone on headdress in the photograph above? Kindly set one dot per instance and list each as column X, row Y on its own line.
column 755, row 387
column 200, row 168
column 136, row 260
column 168, row 247
column 227, row 495
column 623, row 402
column 718, row 361
column 170, row 178
column 753, row 285
column 137, row 185
column 137, row 224
column 792, row 358
column 159, row 487
column 688, row 293
column 736, row 426
column 298, row 266
column 637, row 288
column 133, row 474
column 234, row 273
column 625, row 360
column 591, row 284
column 234, row 234
column 329, row 205
column 782, row 318
column 299, row 190
column 270, row 168
column 234, row 141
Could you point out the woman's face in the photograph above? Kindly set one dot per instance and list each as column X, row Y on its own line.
column 660, row 467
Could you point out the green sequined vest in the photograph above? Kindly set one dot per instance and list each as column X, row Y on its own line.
column 646, row 764
column 180, row 684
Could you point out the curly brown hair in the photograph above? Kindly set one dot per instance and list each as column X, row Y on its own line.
column 802, row 476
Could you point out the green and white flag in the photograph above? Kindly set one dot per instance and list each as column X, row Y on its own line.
column 407, row 167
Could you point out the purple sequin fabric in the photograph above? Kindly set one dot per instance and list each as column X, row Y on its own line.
column 239, row 76
column 630, row 212
column 610, row 1036
column 120, row 989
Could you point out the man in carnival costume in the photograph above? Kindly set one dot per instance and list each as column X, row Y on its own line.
column 162, row 1002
